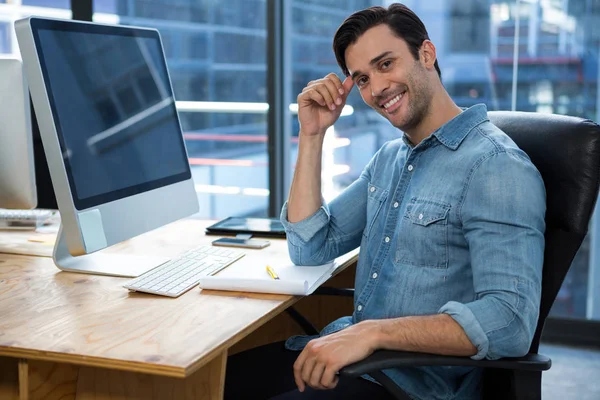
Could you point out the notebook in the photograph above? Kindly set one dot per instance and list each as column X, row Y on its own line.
column 249, row 274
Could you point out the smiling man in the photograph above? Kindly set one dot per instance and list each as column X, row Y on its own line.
column 449, row 219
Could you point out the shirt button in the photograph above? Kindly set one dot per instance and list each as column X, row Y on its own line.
column 387, row 239
column 420, row 216
column 396, row 205
column 375, row 275
column 359, row 308
column 372, row 189
column 410, row 168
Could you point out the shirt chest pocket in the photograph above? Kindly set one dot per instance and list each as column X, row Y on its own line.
column 375, row 199
column 423, row 236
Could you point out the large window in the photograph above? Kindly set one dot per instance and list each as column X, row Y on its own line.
column 360, row 131
column 4, row 37
column 63, row 4
column 470, row 22
column 12, row 10
column 557, row 72
column 216, row 56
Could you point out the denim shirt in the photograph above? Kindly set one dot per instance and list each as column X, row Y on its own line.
column 454, row 225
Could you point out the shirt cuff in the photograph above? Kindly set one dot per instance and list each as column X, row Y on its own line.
column 467, row 320
column 309, row 226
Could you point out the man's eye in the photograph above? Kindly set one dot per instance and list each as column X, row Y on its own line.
column 386, row 64
column 361, row 81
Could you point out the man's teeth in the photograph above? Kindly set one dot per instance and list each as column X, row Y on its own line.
column 393, row 101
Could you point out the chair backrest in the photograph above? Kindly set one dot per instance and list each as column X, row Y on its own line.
column 566, row 151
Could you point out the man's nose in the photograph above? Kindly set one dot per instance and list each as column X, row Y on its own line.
column 379, row 85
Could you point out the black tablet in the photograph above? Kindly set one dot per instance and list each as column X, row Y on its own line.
column 268, row 227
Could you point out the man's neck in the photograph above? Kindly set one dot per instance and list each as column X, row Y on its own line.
column 442, row 110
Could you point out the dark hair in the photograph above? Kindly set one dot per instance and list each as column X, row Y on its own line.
column 402, row 21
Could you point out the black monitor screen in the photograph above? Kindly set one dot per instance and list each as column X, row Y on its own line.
column 113, row 109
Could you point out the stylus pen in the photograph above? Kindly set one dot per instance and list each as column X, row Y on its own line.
column 272, row 273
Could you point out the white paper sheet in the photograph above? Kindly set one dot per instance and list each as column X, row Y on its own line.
column 249, row 274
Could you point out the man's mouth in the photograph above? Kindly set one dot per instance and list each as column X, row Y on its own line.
column 388, row 104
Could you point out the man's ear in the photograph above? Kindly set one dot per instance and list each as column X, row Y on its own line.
column 428, row 54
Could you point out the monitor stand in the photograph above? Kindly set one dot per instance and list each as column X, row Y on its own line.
column 98, row 263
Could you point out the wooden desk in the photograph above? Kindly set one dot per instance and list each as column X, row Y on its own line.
column 75, row 336
column 33, row 243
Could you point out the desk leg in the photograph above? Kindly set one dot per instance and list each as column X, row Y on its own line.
column 9, row 379
column 23, row 380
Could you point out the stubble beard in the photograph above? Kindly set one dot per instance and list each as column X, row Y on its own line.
column 419, row 102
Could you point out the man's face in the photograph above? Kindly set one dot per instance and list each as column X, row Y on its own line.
column 389, row 78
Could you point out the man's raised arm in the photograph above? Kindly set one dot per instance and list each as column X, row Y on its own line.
column 319, row 106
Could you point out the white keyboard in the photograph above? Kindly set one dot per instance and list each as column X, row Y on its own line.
column 180, row 274
column 25, row 219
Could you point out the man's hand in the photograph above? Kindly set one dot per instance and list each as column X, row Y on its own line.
column 320, row 103
column 322, row 358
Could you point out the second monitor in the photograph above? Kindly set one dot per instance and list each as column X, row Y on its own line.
column 17, row 171
column 111, row 134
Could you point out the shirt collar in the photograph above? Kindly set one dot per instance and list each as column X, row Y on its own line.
column 453, row 132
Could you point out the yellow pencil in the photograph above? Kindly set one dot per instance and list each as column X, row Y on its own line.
column 272, row 273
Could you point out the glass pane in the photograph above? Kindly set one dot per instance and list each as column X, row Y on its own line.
column 11, row 10
column 558, row 71
column 470, row 21
column 64, row 4
column 460, row 29
column 360, row 131
column 5, row 45
column 217, row 61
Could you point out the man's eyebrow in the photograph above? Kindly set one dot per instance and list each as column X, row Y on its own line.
column 373, row 62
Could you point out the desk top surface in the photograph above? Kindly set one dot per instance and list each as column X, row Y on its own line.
column 57, row 316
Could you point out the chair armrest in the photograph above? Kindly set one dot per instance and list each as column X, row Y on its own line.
column 333, row 291
column 384, row 359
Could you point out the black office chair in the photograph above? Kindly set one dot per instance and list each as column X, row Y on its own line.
column 566, row 151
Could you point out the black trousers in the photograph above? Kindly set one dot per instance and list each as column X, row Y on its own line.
column 266, row 372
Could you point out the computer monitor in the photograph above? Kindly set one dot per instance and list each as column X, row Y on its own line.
column 111, row 134
column 17, row 171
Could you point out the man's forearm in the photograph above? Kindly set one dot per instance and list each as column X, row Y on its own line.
column 305, row 192
column 436, row 334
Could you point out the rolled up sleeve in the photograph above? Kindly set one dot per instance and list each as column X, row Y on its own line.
column 334, row 229
column 303, row 231
column 503, row 221
column 467, row 320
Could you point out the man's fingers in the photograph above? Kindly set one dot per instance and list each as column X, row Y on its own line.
column 307, row 369
column 329, row 379
column 317, row 97
column 298, row 365
column 337, row 82
column 347, row 85
column 316, row 376
column 333, row 90
column 335, row 381
column 325, row 92
column 311, row 96
column 330, row 88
